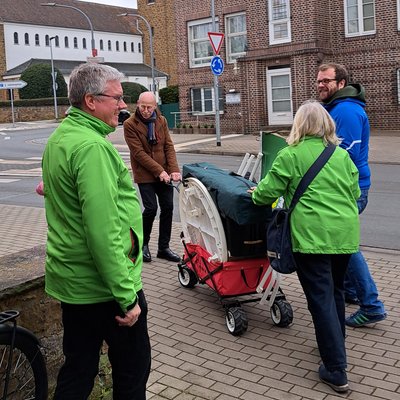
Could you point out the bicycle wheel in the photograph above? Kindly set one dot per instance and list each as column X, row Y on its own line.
column 28, row 377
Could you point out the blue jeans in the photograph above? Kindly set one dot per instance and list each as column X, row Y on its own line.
column 359, row 282
column 321, row 277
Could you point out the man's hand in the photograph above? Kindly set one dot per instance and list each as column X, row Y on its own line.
column 130, row 318
column 164, row 177
column 176, row 176
column 252, row 189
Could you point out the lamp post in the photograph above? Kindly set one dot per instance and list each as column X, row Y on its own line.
column 151, row 44
column 94, row 50
column 53, row 76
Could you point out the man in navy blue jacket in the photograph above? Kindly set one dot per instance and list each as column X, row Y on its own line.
column 346, row 104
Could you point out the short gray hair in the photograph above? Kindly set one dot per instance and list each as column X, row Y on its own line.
column 90, row 78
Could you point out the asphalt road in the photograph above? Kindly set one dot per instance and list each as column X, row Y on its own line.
column 22, row 150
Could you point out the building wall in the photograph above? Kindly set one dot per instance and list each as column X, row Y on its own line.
column 17, row 54
column 3, row 94
column 161, row 17
column 317, row 36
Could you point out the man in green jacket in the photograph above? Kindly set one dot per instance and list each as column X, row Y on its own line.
column 94, row 242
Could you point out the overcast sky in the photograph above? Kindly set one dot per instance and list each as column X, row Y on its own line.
column 122, row 3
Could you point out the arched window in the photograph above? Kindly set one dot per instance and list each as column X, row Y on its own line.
column 101, row 44
column 117, row 45
column 37, row 40
column 132, row 47
column 47, row 40
column 75, row 43
column 139, row 47
column 125, row 48
column 66, row 42
column 84, row 43
column 109, row 45
column 27, row 39
column 57, row 41
column 16, row 40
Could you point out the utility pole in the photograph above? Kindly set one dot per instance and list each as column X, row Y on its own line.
column 216, row 91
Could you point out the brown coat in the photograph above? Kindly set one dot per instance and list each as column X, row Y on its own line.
column 148, row 161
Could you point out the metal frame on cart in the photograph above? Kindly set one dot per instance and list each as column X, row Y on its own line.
column 236, row 319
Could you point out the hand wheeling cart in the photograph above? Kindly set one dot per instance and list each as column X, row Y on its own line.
column 223, row 237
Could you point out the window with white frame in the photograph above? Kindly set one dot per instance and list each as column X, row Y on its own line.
column 84, row 43
column 359, row 17
column 236, row 36
column 26, row 36
column 66, row 42
column 203, row 100
column 279, row 21
column 16, row 40
column 76, row 43
column 398, row 15
column 37, row 40
column 200, row 50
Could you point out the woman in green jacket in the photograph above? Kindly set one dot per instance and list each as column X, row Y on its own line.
column 324, row 227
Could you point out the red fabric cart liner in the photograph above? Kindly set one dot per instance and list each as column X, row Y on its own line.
column 229, row 278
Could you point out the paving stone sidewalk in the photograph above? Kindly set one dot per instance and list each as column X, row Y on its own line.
column 195, row 358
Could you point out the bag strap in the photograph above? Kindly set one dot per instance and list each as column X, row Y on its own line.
column 312, row 173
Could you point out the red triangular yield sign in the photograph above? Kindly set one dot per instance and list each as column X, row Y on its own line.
column 216, row 39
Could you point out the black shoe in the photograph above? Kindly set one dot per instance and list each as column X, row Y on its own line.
column 352, row 300
column 168, row 254
column 336, row 379
column 146, row 254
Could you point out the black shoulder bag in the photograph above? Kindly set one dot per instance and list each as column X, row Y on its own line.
column 279, row 243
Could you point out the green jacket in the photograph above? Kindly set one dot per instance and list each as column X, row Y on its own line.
column 325, row 220
column 94, row 218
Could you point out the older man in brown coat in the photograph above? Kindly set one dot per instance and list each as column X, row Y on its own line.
column 154, row 166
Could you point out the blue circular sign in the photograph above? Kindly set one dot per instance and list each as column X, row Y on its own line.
column 217, row 65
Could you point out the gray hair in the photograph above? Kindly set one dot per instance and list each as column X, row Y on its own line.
column 90, row 78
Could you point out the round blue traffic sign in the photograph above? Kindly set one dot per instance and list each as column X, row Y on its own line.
column 217, row 65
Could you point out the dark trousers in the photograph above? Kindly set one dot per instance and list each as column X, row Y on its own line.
column 149, row 193
column 85, row 328
column 322, row 279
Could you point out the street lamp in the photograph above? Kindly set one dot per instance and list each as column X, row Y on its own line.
column 53, row 78
column 94, row 50
column 151, row 44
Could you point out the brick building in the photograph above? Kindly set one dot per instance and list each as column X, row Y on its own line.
column 272, row 50
column 162, row 17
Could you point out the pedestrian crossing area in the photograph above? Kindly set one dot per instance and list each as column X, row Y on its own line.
column 14, row 170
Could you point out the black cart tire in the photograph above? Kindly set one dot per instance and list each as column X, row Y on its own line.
column 28, row 379
column 281, row 313
column 187, row 278
column 236, row 321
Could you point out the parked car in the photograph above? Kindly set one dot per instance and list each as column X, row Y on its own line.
column 122, row 116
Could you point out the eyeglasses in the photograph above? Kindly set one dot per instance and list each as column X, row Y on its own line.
column 119, row 99
column 325, row 81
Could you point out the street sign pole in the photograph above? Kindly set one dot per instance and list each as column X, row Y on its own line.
column 12, row 85
column 12, row 107
column 216, row 94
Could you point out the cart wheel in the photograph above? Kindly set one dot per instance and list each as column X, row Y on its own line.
column 187, row 278
column 281, row 313
column 236, row 321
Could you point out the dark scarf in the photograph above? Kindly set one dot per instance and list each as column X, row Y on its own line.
column 151, row 126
